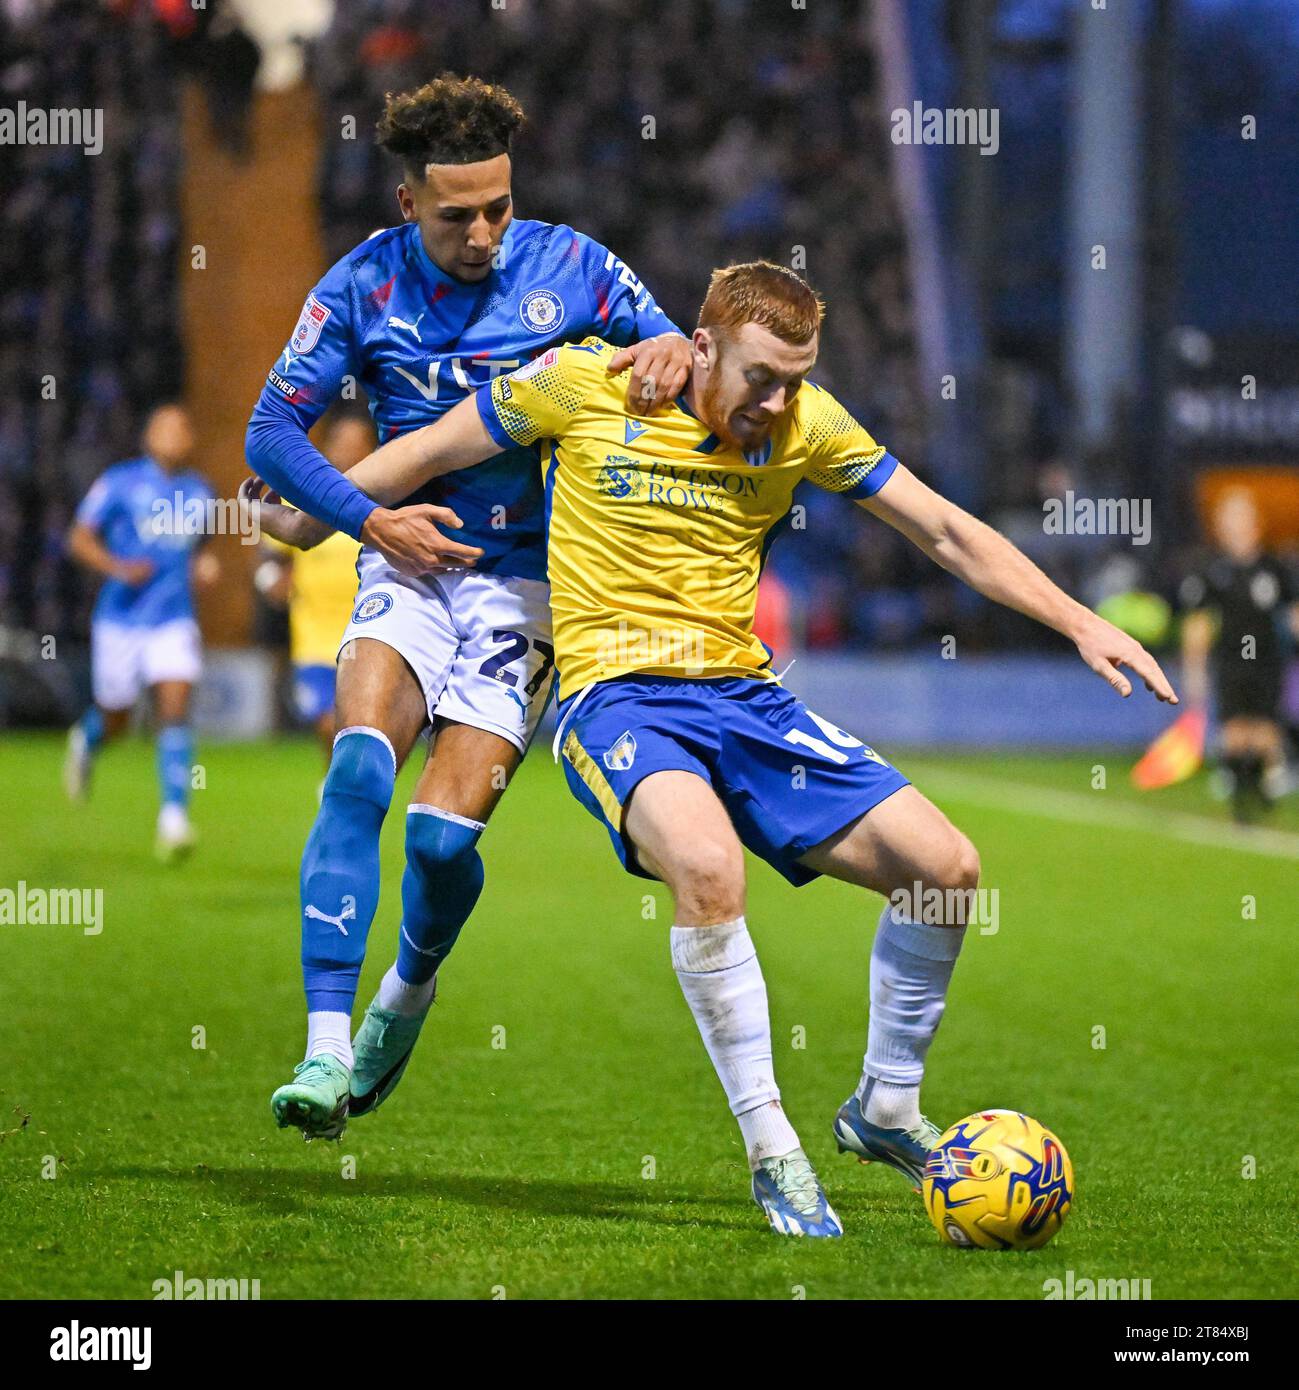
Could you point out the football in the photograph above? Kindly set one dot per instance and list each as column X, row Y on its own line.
column 998, row 1180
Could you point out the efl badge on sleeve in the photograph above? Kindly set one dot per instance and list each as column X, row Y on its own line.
column 310, row 323
column 538, row 364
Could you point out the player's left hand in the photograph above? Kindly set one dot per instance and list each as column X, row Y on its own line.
column 262, row 508
column 660, row 368
column 1106, row 648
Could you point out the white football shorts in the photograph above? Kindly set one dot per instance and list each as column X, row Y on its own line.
column 479, row 643
column 125, row 660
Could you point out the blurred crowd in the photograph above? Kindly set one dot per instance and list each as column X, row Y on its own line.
column 91, row 332
column 89, row 315
column 684, row 135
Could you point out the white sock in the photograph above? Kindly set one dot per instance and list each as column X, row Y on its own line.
column 330, row 1033
column 722, row 981
column 892, row 1107
column 767, row 1133
column 398, row 997
column 911, row 967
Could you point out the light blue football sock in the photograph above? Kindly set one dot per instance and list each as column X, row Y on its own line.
column 340, row 867
column 175, row 762
column 443, row 878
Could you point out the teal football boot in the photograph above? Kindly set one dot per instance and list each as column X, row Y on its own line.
column 381, row 1049
column 315, row 1101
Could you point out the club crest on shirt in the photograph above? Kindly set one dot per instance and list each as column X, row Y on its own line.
column 310, row 323
column 542, row 311
column 620, row 477
column 375, row 606
column 622, row 754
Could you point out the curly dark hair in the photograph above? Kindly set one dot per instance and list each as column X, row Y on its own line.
column 451, row 120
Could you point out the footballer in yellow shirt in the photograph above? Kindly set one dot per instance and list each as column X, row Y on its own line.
column 657, row 531
column 675, row 732
column 657, row 528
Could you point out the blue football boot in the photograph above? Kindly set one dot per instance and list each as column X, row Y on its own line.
column 903, row 1149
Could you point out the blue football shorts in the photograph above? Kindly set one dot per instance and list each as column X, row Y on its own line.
column 788, row 778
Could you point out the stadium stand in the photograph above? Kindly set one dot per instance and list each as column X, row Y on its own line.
column 89, row 329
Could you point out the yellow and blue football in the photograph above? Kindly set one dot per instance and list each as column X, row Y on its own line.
column 998, row 1180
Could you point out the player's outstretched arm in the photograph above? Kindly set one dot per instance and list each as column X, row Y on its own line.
column 987, row 561
column 408, row 537
column 396, row 469
column 260, row 502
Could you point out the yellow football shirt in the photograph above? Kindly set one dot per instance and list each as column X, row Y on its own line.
column 657, row 529
column 320, row 600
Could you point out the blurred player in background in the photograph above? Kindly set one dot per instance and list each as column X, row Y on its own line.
column 679, row 738
column 317, row 587
column 421, row 315
column 1241, row 623
column 140, row 528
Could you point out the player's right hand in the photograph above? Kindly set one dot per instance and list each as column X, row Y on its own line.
column 660, row 368
column 410, row 541
column 133, row 572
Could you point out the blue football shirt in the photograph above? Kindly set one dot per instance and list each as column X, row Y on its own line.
column 142, row 512
column 418, row 341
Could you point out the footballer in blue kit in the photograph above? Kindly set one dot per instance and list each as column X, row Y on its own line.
column 141, row 527
column 448, row 635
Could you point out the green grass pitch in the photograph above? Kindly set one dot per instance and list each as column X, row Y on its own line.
column 560, row 1132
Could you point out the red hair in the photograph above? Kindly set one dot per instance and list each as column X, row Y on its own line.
column 770, row 295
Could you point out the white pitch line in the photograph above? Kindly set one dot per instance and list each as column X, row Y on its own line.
column 1026, row 798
